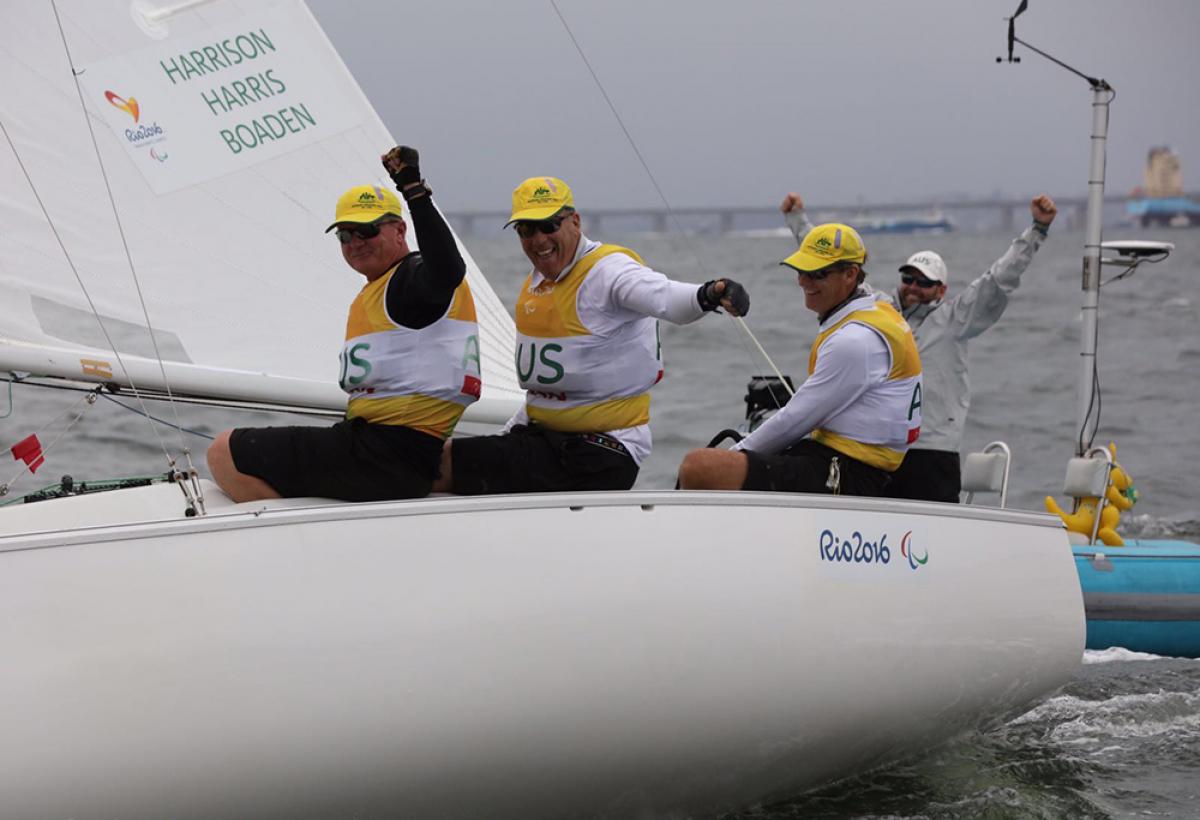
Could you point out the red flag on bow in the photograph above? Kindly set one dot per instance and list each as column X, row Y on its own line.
column 29, row 450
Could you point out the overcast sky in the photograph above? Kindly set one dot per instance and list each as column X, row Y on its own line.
column 859, row 100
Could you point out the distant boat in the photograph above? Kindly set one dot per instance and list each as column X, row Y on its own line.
column 936, row 222
column 1172, row 212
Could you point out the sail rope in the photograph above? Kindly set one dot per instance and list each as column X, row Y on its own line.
column 662, row 195
column 192, row 485
column 88, row 399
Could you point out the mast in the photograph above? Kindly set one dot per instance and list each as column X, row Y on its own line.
column 1088, row 413
column 1102, row 95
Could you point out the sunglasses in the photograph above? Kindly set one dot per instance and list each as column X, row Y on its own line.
column 363, row 232
column 528, row 228
column 919, row 281
column 823, row 273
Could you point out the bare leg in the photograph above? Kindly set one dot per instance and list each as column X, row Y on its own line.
column 444, row 482
column 712, row 469
column 237, row 485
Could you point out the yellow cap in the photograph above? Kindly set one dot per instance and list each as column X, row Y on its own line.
column 827, row 245
column 540, row 198
column 365, row 203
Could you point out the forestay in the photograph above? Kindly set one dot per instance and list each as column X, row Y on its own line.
column 227, row 131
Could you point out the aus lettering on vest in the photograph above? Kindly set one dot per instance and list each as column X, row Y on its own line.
column 548, row 370
column 354, row 368
column 913, row 407
column 472, row 384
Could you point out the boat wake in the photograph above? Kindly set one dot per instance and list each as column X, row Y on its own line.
column 1183, row 528
column 1116, row 654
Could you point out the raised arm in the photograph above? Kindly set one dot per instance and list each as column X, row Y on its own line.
column 797, row 220
column 983, row 302
column 423, row 296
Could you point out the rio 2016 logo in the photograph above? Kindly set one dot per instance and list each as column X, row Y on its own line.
column 129, row 106
column 144, row 133
column 858, row 550
column 855, row 549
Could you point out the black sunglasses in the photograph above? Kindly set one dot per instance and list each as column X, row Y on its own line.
column 363, row 232
column 919, row 281
column 527, row 228
column 818, row 275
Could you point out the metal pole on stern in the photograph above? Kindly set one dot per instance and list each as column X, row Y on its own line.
column 1088, row 412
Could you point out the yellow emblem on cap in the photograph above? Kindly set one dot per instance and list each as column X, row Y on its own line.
column 826, row 245
column 365, row 203
column 540, row 198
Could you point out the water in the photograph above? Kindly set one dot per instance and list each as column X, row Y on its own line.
column 1123, row 738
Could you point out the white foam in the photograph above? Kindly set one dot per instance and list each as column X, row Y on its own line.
column 1117, row 653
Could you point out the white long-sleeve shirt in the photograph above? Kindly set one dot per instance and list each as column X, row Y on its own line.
column 620, row 290
column 851, row 361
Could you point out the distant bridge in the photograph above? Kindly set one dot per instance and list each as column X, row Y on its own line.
column 1006, row 214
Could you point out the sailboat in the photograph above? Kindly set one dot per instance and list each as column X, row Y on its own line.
column 170, row 653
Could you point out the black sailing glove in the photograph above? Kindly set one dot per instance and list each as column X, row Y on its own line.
column 733, row 293
column 403, row 164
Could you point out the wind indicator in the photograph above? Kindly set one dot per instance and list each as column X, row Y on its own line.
column 1012, row 32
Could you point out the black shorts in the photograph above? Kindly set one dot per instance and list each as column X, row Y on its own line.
column 532, row 459
column 928, row 475
column 804, row 468
column 352, row 460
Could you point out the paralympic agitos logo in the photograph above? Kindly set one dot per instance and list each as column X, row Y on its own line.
column 907, row 551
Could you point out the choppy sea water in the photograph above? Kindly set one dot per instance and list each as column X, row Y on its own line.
column 1123, row 738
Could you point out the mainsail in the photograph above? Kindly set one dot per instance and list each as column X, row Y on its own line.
column 226, row 131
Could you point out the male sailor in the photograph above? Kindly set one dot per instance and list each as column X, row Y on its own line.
column 588, row 353
column 410, row 362
column 849, row 424
column 942, row 328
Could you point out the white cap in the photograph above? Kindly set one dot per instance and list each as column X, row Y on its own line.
column 928, row 264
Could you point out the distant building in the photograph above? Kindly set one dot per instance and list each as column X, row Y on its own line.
column 1163, row 202
column 1164, row 173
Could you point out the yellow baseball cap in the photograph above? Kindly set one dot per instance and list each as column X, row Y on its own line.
column 540, row 198
column 365, row 203
column 827, row 245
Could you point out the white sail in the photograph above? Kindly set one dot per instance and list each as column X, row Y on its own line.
column 226, row 132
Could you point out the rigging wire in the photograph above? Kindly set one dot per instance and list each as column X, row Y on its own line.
column 191, row 470
column 70, row 261
column 658, row 188
column 163, row 422
column 89, row 399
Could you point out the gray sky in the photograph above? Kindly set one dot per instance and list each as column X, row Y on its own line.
column 871, row 100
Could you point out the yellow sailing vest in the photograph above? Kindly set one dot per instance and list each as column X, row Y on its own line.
column 879, row 427
column 576, row 380
column 423, row 379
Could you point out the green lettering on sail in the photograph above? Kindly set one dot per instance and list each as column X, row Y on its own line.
column 267, row 128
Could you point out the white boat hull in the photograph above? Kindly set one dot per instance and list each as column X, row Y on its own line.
column 607, row 653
